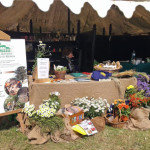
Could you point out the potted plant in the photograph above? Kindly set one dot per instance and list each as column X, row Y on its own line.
column 92, row 107
column 124, row 112
column 130, row 91
column 40, row 53
column 121, row 109
column 45, row 117
column 60, row 72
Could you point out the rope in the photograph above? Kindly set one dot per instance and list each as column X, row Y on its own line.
column 120, row 88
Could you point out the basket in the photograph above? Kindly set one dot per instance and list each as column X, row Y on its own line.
column 118, row 124
column 107, row 69
column 101, row 67
column 115, row 125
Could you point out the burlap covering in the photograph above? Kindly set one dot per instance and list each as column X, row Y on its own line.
column 139, row 119
column 120, row 88
column 109, row 90
column 99, row 123
column 36, row 136
column 66, row 135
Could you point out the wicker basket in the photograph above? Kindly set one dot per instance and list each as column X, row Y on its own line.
column 118, row 124
column 115, row 125
column 107, row 69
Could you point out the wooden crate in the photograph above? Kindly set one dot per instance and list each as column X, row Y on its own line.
column 76, row 118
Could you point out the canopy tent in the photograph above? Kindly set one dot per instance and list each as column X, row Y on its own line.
column 4, row 36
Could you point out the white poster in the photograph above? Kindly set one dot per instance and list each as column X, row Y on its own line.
column 43, row 68
column 13, row 75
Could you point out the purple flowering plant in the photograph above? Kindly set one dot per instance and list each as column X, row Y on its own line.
column 143, row 84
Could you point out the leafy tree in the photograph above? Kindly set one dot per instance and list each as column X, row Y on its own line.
column 21, row 73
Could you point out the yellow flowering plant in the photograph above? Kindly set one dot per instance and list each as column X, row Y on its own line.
column 130, row 90
column 45, row 116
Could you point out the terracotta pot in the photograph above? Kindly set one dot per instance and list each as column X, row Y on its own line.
column 124, row 118
column 60, row 74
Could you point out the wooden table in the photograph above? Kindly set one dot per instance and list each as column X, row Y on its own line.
column 109, row 90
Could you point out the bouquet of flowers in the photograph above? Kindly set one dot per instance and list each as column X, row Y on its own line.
column 45, row 116
column 92, row 107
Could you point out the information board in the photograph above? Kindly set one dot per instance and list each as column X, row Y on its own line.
column 13, row 75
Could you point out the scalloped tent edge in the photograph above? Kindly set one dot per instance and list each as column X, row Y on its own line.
column 4, row 36
column 126, row 6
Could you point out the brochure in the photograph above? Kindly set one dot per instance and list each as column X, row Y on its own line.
column 86, row 127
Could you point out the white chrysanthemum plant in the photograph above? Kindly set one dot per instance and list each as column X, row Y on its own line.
column 92, row 107
column 45, row 117
column 47, row 109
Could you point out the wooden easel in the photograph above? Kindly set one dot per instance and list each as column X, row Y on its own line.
column 19, row 116
column 6, row 37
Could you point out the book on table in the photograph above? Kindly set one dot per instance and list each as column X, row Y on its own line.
column 78, row 75
column 82, row 79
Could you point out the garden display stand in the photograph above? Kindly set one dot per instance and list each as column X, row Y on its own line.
column 6, row 37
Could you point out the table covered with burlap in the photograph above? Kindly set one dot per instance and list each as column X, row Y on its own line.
column 109, row 90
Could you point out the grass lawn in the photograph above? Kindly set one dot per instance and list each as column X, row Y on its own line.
column 109, row 139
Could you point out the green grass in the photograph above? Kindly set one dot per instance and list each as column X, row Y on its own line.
column 109, row 139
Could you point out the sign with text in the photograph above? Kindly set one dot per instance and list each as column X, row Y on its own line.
column 13, row 75
column 43, row 68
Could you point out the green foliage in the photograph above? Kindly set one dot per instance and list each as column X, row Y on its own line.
column 45, row 116
column 54, row 98
column 125, row 111
column 39, row 53
column 130, row 91
column 51, row 125
column 140, row 94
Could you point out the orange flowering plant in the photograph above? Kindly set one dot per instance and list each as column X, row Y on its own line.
column 121, row 108
column 139, row 102
column 125, row 110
